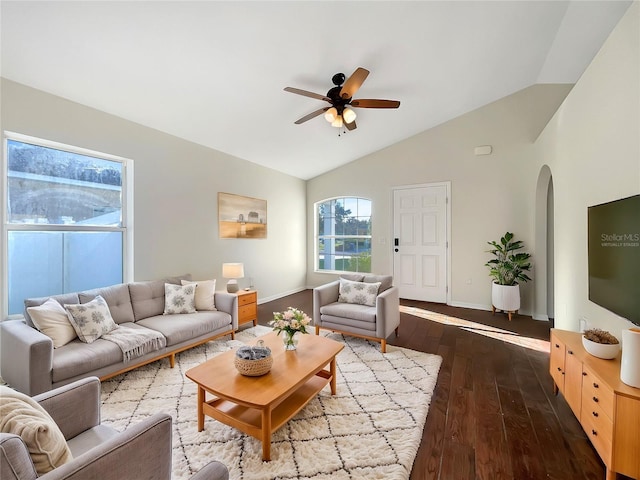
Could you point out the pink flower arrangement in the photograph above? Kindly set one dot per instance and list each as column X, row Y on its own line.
column 291, row 321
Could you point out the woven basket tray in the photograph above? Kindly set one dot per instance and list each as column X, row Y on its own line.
column 253, row 368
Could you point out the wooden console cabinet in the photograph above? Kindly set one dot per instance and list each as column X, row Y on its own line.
column 608, row 409
column 247, row 307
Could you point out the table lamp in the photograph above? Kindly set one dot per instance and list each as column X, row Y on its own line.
column 232, row 271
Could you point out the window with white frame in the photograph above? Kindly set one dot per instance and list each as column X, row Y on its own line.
column 65, row 225
column 343, row 235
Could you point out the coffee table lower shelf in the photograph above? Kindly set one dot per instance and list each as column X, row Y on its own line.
column 258, row 422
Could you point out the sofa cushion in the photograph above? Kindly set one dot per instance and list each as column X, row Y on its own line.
column 180, row 328
column 358, row 292
column 179, row 299
column 205, row 294
column 350, row 310
column 147, row 298
column 117, row 298
column 386, row 281
column 34, row 302
column 91, row 320
column 51, row 319
column 23, row 416
column 79, row 358
column 354, row 277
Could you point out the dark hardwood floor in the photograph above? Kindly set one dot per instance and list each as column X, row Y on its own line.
column 493, row 415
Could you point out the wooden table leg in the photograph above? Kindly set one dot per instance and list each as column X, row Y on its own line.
column 332, row 370
column 201, row 398
column 266, row 434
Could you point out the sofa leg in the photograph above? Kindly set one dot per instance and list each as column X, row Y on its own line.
column 383, row 346
column 397, row 331
column 233, row 335
column 317, row 330
column 172, row 360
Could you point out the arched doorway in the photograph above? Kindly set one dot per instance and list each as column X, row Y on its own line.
column 544, row 238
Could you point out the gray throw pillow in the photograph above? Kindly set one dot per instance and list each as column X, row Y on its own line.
column 91, row 320
column 358, row 292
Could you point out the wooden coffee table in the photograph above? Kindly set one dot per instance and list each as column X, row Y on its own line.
column 258, row 406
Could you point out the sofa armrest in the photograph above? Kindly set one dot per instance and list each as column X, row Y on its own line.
column 387, row 312
column 228, row 303
column 26, row 356
column 212, row 471
column 15, row 461
column 74, row 407
column 142, row 451
column 324, row 295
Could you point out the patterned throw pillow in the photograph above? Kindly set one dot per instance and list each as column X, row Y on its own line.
column 91, row 320
column 179, row 298
column 358, row 292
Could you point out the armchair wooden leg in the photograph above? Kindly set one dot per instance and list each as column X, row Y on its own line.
column 317, row 330
column 383, row 346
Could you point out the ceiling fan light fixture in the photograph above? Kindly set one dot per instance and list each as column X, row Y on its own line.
column 348, row 115
column 337, row 122
column 331, row 115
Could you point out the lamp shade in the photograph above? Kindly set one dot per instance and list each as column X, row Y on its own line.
column 232, row 270
column 331, row 114
column 348, row 115
column 337, row 122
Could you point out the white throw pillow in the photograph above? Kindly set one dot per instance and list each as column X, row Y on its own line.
column 91, row 320
column 205, row 293
column 51, row 319
column 23, row 416
column 179, row 299
column 358, row 292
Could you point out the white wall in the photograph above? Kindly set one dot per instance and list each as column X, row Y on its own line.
column 592, row 146
column 176, row 188
column 489, row 193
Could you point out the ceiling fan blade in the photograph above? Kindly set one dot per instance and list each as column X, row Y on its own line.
column 351, row 126
column 305, row 93
column 311, row 115
column 354, row 82
column 373, row 103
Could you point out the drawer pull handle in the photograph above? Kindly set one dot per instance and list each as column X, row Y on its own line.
column 595, row 399
column 557, row 346
column 595, row 414
column 559, row 369
column 584, row 374
column 570, row 352
column 595, row 385
column 595, row 434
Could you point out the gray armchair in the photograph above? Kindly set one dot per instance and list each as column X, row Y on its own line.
column 371, row 322
column 141, row 452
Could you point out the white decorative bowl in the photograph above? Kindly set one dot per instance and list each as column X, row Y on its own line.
column 601, row 350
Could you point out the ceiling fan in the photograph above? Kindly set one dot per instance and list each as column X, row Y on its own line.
column 340, row 112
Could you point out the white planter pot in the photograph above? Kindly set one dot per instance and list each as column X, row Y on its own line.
column 505, row 297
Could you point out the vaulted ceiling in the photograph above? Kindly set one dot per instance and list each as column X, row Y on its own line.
column 213, row 72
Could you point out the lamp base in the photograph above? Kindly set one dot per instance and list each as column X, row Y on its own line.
column 232, row 286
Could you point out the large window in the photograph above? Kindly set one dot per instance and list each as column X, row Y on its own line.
column 343, row 235
column 65, row 225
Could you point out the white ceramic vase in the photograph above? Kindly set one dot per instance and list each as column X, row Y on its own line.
column 505, row 297
column 630, row 363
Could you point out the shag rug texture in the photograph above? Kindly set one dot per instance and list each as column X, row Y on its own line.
column 370, row 430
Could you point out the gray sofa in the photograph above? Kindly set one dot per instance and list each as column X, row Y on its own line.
column 31, row 365
column 142, row 451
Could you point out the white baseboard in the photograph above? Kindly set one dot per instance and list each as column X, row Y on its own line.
column 280, row 295
column 473, row 306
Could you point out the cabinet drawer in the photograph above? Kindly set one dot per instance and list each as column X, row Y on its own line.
column 599, row 429
column 247, row 312
column 596, row 392
column 556, row 362
column 247, row 298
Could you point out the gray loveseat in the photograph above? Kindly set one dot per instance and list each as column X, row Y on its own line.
column 31, row 365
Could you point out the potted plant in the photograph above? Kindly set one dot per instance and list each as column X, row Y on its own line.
column 508, row 269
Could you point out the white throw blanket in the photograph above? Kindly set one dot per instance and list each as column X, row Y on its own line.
column 135, row 342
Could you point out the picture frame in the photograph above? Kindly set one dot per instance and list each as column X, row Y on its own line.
column 241, row 217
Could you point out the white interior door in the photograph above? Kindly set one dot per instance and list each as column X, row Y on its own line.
column 420, row 224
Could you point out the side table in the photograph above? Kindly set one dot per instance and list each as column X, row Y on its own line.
column 247, row 307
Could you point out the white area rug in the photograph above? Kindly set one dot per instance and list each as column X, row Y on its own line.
column 370, row 430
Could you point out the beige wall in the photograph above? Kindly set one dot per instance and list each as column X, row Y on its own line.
column 488, row 193
column 176, row 187
column 592, row 146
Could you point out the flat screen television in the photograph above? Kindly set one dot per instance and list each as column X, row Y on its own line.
column 614, row 256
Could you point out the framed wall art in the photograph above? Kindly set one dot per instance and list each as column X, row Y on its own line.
column 241, row 217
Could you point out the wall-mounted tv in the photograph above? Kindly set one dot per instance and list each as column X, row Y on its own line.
column 614, row 256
